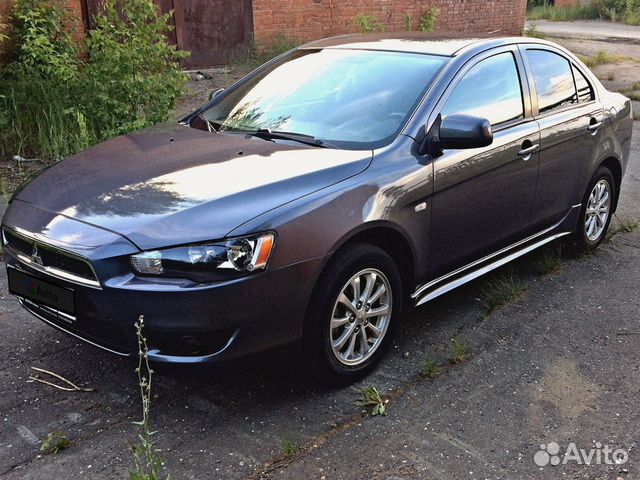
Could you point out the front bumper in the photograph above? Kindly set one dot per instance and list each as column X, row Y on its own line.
column 185, row 323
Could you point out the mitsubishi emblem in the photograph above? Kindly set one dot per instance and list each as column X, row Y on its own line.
column 35, row 255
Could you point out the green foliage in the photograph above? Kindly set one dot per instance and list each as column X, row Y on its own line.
column 459, row 350
column 288, row 447
column 408, row 21
column 43, row 46
column 368, row 24
column 532, row 32
column 632, row 14
column 428, row 19
column 601, row 57
column 372, row 401
column 147, row 463
column 500, row 290
column 52, row 104
column 256, row 56
column 545, row 11
column 54, row 443
column 548, row 259
column 429, row 368
column 132, row 76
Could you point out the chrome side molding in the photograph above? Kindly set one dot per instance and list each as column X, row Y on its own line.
column 449, row 281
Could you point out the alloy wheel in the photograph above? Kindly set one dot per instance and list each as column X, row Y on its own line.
column 597, row 212
column 361, row 317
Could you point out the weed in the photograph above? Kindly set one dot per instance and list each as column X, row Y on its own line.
column 459, row 350
column 611, row 76
column 408, row 22
column 54, row 443
column 562, row 14
column 258, row 55
column 429, row 368
column 428, row 19
column 622, row 226
column 549, row 259
column 532, row 32
column 500, row 290
column 372, row 401
column 288, row 447
column 636, row 115
column 368, row 24
column 601, row 57
column 147, row 464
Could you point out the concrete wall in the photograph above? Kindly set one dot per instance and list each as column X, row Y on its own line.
column 312, row 19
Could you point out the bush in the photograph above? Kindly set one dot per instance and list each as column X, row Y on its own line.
column 53, row 105
column 428, row 19
column 368, row 24
column 132, row 77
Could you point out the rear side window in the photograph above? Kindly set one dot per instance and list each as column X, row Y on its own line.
column 490, row 89
column 585, row 90
column 553, row 79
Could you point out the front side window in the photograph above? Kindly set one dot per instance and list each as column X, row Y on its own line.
column 352, row 98
column 490, row 89
column 553, row 78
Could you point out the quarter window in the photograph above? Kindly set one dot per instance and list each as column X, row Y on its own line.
column 553, row 79
column 585, row 90
column 490, row 89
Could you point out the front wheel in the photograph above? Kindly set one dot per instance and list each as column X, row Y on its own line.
column 596, row 211
column 356, row 306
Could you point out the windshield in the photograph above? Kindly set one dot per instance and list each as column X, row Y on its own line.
column 355, row 99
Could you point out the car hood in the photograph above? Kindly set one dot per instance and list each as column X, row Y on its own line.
column 172, row 184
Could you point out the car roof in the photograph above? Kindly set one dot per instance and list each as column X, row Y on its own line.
column 415, row 42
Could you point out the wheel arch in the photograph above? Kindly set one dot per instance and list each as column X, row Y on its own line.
column 390, row 238
column 615, row 167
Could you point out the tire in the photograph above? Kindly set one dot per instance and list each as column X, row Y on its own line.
column 355, row 358
column 592, row 228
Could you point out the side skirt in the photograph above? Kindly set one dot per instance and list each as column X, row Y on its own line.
column 470, row 272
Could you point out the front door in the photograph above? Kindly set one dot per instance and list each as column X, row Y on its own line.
column 483, row 197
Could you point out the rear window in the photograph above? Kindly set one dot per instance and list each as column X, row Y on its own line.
column 352, row 98
column 553, row 78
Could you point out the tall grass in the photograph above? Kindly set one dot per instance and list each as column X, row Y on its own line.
column 563, row 14
column 38, row 119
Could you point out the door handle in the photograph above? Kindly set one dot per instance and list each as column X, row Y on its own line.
column 525, row 153
column 594, row 126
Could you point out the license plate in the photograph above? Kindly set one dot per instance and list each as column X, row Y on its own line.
column 39, row 291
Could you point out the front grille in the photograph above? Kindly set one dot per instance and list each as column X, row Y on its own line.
column 106, row 335
column 49, row 259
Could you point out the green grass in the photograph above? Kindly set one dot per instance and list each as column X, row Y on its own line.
column 636, row 115
column 565, row 14
column 549, row 259
column 459, row 350
column 633, row 92
column 288, row 447
column 532, row 32
column 601, row 57
column 54, row 443
column 429, row 368
column 622, row 226
column 500, row 290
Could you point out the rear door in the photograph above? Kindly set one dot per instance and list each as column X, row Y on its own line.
column 483, row 197
column 570, row 117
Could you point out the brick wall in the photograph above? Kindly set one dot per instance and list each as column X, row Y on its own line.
column 312, row 19
column 75, row 17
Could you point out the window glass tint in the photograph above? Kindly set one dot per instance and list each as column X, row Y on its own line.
column 353, row 98
column 490, row 89
column 553, row 78
column 585, row 91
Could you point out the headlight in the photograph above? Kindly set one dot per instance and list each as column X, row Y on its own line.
column 207, row 262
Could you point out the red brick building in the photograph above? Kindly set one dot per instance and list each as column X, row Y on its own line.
column 216, row 31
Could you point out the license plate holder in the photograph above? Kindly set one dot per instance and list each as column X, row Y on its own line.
column 40, row 291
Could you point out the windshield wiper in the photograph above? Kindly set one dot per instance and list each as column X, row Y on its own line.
column 268, row 134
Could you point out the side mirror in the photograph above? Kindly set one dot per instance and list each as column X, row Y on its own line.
column 457, row 132
column 215, row 93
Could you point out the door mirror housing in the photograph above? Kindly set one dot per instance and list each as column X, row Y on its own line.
column 457, row 132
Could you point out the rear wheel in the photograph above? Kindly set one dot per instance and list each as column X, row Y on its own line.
column 356, row 306
column 596, row 211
